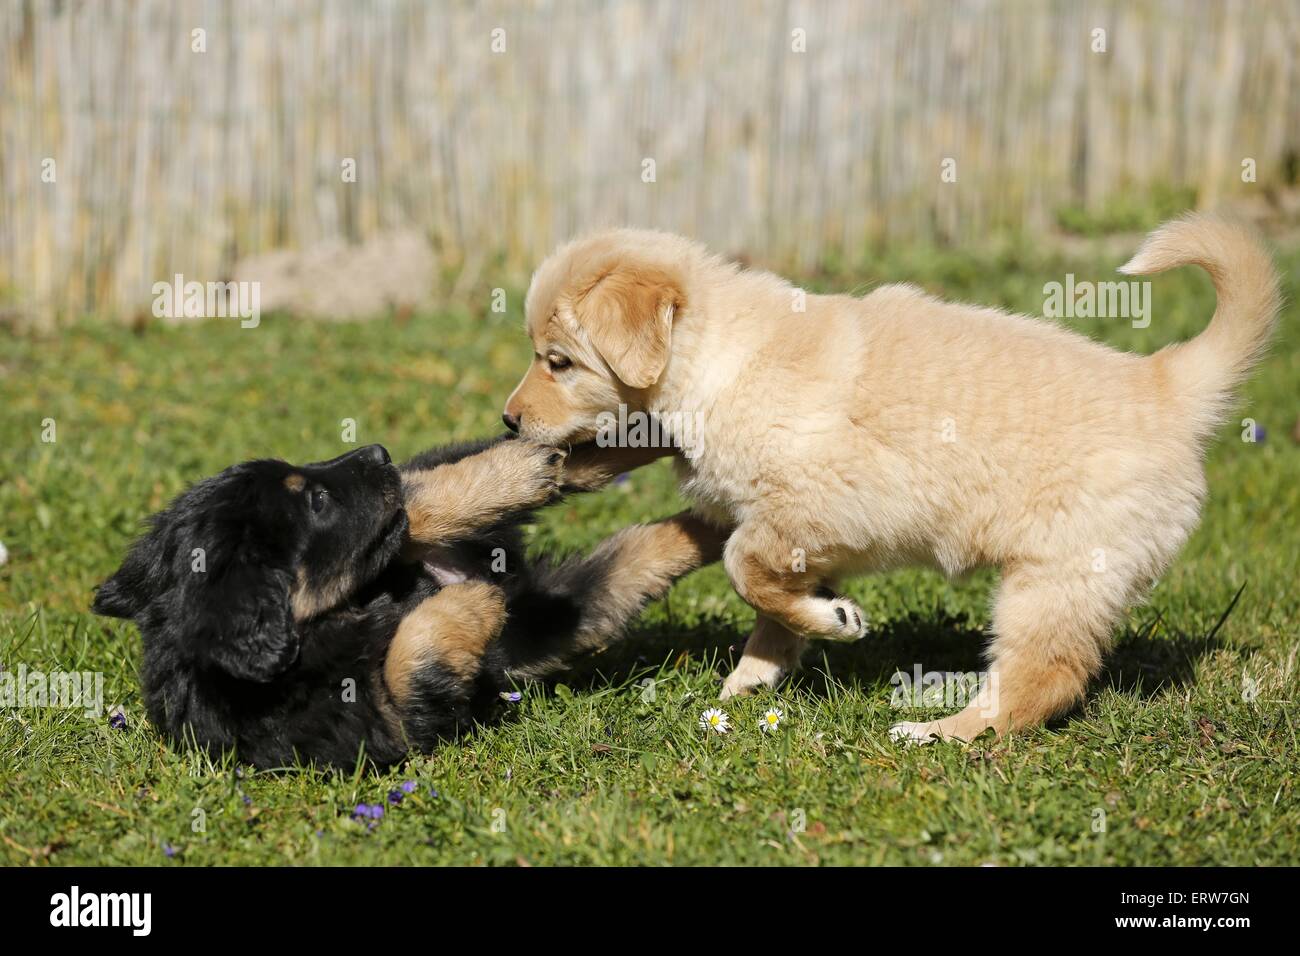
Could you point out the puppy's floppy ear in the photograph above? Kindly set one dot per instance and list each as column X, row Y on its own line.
column 242, row 623
column 143, row 575
column 628, row 314
column 230, row 611
column 122, row 595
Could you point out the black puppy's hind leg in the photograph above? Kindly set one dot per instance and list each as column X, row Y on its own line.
column 585, row 604
column 433, row 663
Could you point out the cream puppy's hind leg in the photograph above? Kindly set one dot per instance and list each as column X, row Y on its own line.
column 778, row 580
column 771, row 653
column 1050, row 635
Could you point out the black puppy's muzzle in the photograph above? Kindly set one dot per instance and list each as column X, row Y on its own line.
column 369, row 467
column 375, row 455
column 379, row 467
column 369, row 457
column 368, row 486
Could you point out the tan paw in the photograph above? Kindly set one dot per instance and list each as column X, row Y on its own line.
column 540, row 469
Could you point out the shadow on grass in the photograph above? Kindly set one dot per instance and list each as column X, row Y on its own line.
column 1142, row 662
column 943, row 643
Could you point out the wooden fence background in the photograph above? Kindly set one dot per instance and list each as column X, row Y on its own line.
column 169, row 160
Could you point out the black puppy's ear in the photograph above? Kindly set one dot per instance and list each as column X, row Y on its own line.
column 143, row 575
column 119, row 597
column 243, row 624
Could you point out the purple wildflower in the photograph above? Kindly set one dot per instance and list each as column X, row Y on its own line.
column 1261, row 433
column 117, row 721
column 394, row 796
column 248, row 801
column 409, row 786
column 168, row 850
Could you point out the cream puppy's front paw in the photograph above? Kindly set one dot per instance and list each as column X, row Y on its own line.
column 837, row 618
column 850, row 618
column 913, row 734
column 749, row 675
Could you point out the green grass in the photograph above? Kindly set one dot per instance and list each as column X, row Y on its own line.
column 1127, row 211
column 1183, row 765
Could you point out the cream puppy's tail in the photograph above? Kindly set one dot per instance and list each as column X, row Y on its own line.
column 1246, row 283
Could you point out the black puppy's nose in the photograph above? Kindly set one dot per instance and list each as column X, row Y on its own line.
column 375, row 454
column 512, row 421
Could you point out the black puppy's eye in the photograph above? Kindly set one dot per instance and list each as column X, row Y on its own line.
column 557, row 361
column 318, row 496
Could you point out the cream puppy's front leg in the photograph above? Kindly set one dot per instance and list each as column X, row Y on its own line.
column 771, row 653
column 780, row 580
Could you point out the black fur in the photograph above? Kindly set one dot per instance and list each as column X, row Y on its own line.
column 227, row 665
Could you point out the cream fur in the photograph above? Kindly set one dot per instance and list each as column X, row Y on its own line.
column 896, row 429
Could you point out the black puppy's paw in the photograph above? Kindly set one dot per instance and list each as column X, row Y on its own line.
column 541, row 470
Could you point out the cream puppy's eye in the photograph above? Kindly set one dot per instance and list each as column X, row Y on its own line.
column 557, row 361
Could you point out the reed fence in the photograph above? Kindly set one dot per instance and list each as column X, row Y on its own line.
column 786, row 129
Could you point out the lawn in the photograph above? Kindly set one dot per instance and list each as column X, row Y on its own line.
column 1186, row 751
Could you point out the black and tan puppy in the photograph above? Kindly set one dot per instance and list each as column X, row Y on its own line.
column 347, row 610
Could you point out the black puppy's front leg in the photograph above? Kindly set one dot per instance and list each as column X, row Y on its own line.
column 454, row 501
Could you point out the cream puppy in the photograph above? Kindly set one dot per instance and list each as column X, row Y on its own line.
column 842, row 435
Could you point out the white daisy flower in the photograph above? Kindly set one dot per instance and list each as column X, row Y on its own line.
column 770, row 720
column 715, row 720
